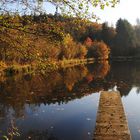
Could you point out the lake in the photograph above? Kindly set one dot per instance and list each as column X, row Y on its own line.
column 62, row 105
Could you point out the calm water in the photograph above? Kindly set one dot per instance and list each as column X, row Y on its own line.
column 63, row 104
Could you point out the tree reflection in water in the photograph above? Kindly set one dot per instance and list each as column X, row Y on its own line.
column 63, row 86
column 53, row 87
column 78, row 81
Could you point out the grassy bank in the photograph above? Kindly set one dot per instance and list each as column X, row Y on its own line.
column 42, row 67
column 74, row 62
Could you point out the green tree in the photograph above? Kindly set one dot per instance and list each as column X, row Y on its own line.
column 137, row 31
column 125, row 39
column 108, row 33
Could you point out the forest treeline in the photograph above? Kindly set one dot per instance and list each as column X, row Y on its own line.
column 26, row 39
column 38, row 38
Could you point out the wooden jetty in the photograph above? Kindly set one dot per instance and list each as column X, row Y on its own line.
column 111, row 122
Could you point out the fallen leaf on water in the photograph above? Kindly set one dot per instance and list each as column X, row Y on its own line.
column 60, row 109
column 89, row 133
column 29, row 137
column 88, row 119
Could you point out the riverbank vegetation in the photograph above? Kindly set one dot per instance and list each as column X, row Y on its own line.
column 45, row 40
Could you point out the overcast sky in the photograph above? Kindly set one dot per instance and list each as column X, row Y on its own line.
column 128, row 9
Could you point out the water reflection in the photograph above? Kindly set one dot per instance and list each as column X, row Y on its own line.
column 61, row 86
column 125, row 75
column 67, row 84
column 23, row 98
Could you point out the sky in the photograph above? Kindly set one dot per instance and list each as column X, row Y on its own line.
column 126, row 9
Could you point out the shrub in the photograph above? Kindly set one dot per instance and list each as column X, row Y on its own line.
column 99, row 50
column 2, row 65
column 68, row 47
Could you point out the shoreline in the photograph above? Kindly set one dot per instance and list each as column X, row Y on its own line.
column 42, row 67
column 125, row 58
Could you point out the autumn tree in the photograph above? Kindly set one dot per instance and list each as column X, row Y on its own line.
column 93, row 31
column 75, row 8
column 99, row 50
column 67, row 7
column 81, row 51
column 28, row 34
column 68, row 48
column 88, row 42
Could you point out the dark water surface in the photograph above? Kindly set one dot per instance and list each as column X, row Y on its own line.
column 63, row 104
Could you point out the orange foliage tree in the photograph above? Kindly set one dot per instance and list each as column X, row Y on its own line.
column 88, row 42
column 99, row 50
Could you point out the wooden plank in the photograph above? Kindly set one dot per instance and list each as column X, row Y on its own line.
column 111, row 122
